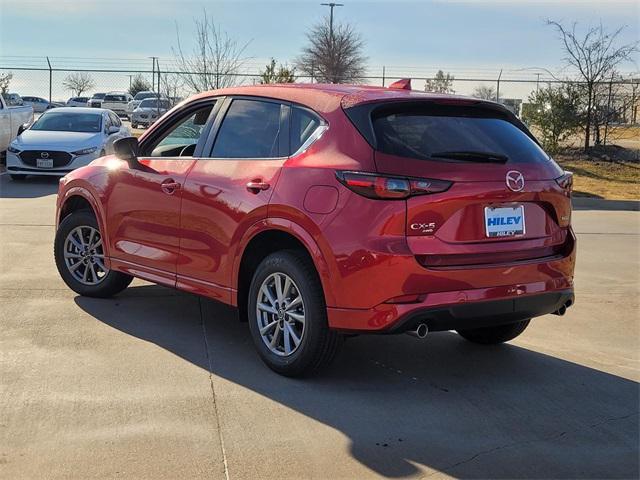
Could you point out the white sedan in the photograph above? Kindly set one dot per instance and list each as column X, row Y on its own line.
column 62, row 140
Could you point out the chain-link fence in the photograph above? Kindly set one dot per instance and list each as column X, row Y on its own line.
column 513, row 88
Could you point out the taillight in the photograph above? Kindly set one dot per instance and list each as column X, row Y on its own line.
column 377, row 186
column 566, row 182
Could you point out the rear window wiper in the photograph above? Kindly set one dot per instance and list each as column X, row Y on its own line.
column 472, row 156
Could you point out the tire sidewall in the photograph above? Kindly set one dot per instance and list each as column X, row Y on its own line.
column 315, row 312
column 77, row 219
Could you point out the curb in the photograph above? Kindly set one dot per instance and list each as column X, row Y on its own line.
column 581, row 203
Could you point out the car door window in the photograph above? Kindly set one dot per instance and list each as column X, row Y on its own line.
column 115, row 120
column 250, row 129
column 181, row 138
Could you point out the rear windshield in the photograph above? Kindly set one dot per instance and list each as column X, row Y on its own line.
column 153, row 103
column 115, row 98
column 431, row 133
column 143, row 95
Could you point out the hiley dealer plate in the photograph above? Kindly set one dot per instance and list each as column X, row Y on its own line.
column 504, row 221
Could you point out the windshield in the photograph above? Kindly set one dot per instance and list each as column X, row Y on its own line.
column 458, row 136
column 153, row 103
column 69, row 122
column 143, row 95
column 98, row 96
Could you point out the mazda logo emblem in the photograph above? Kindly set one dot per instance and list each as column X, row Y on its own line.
column 44, row 154
column 515, row 180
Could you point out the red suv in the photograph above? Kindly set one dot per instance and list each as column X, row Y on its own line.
column 327, row 210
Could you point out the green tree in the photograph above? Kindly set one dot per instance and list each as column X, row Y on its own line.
column 441, row 83
column 277, row 74
column 139, row 84
column 554, row 113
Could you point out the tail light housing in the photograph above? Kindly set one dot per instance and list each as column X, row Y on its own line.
column 566, row 182
column 387, row 187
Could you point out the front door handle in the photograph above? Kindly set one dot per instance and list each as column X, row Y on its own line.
column 256, row 185
column 169, row 186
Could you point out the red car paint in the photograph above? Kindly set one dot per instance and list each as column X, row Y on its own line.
column 375, row 266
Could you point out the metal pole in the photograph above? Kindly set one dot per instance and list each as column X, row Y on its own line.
column 538, row 82
column 331, row 6
column 383, row 72
column 498, row 87
column 50, row 79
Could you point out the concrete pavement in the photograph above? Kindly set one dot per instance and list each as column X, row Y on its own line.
column 159, row 384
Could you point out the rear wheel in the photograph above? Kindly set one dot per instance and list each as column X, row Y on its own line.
column 288, row 316
column 79, row 255
column 17, row 177
column 494, row 335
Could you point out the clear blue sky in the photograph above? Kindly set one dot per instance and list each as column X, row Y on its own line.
column 467, row 37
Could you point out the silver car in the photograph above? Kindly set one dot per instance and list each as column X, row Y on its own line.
column 149, row 111
column 133, row 104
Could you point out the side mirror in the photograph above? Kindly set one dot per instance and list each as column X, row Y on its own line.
column 127, row 149
column 113, row 129
column 22, row 128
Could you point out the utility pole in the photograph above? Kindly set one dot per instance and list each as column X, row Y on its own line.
column 130, row 80
column 331, row 6
column 153, row 68
column 50, row 79
column 498, row 87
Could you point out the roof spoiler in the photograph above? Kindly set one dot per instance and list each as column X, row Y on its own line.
column 402, row 84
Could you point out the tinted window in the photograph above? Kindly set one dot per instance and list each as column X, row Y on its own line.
column 154, row 103
column 143, row 95
column 416, row 134
column 251, row 129
column 303, row 124
column 115, row 120
column 98, row 96
column 115, row 98
column 68, row 122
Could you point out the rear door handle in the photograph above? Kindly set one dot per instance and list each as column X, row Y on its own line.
column 255, row 186
column 169, row 186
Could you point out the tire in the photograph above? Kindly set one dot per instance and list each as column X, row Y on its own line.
column 318, row 345
column 494, row 335
column 17, row 177
column 105, row 285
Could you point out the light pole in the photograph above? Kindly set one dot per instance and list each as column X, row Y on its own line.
column 331, row 6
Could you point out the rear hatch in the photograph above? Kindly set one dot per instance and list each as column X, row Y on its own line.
column 504, row 203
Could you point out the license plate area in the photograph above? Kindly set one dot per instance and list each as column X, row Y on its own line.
column 44, row 162
column 504, row 221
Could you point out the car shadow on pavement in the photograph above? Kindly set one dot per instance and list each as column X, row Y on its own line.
column 457, row 408
column 31, row 187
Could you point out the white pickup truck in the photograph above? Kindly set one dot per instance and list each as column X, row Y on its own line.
column 11, row 117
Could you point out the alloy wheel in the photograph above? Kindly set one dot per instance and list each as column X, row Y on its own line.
column 84, row 255
column 280, row 314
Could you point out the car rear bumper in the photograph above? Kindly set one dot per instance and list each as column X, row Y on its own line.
column 480, row 307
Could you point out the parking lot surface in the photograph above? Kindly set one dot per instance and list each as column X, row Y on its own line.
column 155, row 383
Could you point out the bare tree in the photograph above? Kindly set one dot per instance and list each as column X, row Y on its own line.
column 172, row 87
column 214, row 62
column 333, row 55
column 78, row 83
column 5, row 80
column 441, row 83
column 595, row 55
column 485, row 92
column 277, row 74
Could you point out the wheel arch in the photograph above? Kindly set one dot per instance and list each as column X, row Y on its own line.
column 79, row 198
column 269, row 236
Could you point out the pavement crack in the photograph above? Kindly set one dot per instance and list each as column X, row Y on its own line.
column 527, row 442
column 213, row 392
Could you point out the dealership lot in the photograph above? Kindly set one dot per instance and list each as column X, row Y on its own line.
column 159, row 384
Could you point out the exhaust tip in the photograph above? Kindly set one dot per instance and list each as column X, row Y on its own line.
column 420, row 331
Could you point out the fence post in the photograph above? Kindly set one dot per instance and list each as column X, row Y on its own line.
column 383, row 72
column 50, row 79
column 498, row 87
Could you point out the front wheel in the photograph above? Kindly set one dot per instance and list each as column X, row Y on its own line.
column 494, row 335
column 288, row 316
column 79, row 255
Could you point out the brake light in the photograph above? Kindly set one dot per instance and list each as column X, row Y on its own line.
column 377, row 186
column 566, row 182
